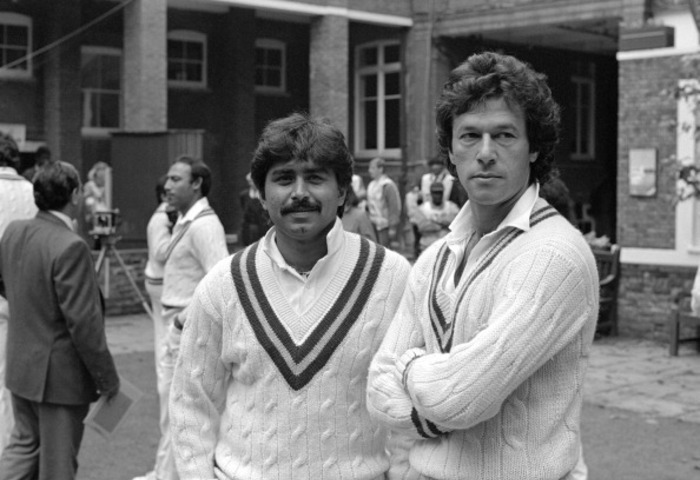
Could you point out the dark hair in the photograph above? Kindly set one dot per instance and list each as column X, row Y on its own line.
column 54, row 185
column 160, row 189
column 9, row 153
column 199, row 169
column 300, row 137
column 491, row 75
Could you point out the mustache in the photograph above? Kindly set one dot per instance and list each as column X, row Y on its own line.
column 303, row 205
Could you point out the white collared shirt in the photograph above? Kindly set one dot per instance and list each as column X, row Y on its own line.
column 462, row 228
column 64, row 218
column 303, row 291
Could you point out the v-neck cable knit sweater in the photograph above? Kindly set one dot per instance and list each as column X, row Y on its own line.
column 263, row 393
column 493, row 387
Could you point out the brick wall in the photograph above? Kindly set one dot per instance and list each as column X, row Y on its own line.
column 121, row 297
column 646, row 297
column 647, row 119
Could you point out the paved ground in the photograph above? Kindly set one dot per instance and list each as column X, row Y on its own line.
column 629, row 374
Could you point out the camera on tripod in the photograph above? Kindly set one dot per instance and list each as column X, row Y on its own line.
column 105, row 223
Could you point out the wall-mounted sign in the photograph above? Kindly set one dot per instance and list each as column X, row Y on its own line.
column 642, row 172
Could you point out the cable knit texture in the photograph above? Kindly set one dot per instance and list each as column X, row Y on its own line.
column 198, row 243
column 496, row 390
column 263, row 393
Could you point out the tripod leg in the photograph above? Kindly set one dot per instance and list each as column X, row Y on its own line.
column 100, row 259
column 145, row 304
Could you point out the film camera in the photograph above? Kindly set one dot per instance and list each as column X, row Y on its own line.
column 105, row 222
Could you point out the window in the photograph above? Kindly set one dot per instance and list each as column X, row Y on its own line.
column 15, row 46
column 270, row 66
column 378, row 99
column 583, row 141
column 187, row 59
column 101, row 85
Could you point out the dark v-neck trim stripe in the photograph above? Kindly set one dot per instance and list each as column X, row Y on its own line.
column 536, row 217
column 328, row 334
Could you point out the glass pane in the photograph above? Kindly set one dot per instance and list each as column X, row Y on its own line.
column 370, row 125
column 274, row 58
column 109, row 111
column 194, row 50
column 175, row 49
column 391, row 54
column 369, row 86
column 259, row 77
column 259, row 56
column 368, row 56
column 584, row 130
column 111, row 78
column 90, row 109
column 585, row 93
column 274, row 78
column 391, row 123
column 90, row 70
column 12, row 55
column 17, row 35
column 392, row 86
column 194, row 72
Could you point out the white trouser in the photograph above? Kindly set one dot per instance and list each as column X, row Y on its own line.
column 169, row 347
column 6, row 418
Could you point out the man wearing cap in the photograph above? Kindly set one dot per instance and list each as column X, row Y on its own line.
column 437, row 214
column 438, row 173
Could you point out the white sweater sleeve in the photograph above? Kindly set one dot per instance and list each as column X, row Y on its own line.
column 387, row 400
column 543, row 299
column 199, row 383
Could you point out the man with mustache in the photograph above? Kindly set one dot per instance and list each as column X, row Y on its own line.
column 271, row 378
column 485, row 360
column 197, row 243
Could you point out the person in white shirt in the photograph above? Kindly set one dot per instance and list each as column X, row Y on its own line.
column 383, row 203
column 438, row 173
column 271, row 377
column 198, row 242
column 436, row 216
column 17, row 200
column 485, row 360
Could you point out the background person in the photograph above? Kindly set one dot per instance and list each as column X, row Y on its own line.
column 437, row 173
column 57, row 356
column 255, row 219
column 485, row 360
column 42, row 157
column 383, row 203
column 355, row 219
column 17, row 200
column 436, row 216
column 198, row 242
column 277, row 388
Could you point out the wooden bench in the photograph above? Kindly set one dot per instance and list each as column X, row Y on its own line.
column 608, row 262
column 681, row 316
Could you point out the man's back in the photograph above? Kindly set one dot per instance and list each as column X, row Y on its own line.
column 56, row 341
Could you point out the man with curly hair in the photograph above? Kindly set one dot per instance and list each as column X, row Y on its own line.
column 485, row 359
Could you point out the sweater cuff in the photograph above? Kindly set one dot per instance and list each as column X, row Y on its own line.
column 404, row 363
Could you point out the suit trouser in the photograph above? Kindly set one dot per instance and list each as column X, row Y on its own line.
column 165, row 460
column 45, row 441
column 6, row 419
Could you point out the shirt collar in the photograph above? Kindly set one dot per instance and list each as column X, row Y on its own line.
column 518, row 217
column 335, row 240
column 194, row 210
column 64, row 218
column 8, row 172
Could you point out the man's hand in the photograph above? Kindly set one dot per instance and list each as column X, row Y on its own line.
column 110, row 393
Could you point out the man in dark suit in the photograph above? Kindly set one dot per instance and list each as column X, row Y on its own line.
column 57, row 356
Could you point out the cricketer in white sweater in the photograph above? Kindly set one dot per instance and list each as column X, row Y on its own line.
column 271, row 383
column 488, row 375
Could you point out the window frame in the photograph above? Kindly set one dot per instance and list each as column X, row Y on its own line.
column 103, row 51
column 192, row 37
column 17, row 19
column 279, row 45
column 578, row 82
column 381, row 69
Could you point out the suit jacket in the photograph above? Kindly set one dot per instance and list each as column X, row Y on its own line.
column 56, row 344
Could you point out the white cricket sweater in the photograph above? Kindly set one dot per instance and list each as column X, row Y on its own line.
column 497, row 392
column 260, row 392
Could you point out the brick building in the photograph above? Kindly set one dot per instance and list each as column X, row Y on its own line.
column 136, row 82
